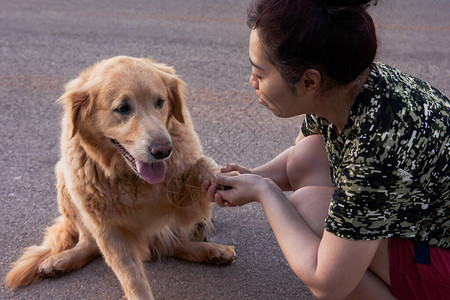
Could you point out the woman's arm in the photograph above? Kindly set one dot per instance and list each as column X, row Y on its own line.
column 330, row 266
column 274, row 169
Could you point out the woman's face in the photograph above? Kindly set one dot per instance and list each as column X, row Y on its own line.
column 272, row 90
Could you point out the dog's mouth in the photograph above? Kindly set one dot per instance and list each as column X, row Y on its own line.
column 154, row 172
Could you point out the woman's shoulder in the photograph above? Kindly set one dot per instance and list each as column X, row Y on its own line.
column 394, row 83
column 392, row 99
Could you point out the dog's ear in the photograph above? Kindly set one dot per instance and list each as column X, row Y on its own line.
column 176, row 90
column 77, row 102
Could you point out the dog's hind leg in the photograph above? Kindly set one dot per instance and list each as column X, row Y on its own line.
column 72, row 259
column 204, row 252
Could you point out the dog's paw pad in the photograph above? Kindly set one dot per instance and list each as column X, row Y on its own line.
column 48, row 268
column 233, row 173
column 222, row 255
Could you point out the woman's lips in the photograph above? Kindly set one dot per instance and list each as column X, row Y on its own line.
column 275, row 109
column 262, row 102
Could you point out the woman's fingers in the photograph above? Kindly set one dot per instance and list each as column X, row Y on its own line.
column 211, row 191
column 227, row 181
column 229, row 168
column 205, row 185
column 234, row 167
column 218, row 199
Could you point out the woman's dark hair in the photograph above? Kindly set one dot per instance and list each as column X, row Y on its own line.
column 335, row 37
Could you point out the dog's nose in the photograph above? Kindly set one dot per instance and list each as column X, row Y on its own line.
column 161, row 151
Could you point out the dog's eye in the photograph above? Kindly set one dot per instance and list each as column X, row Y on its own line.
column 123, row 109
column 160, row 102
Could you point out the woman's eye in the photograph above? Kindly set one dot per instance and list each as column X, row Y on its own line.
column 256, row 77
column 123, row 109
column 160, row 103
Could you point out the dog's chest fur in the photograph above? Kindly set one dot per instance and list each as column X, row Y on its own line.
column 124, row 200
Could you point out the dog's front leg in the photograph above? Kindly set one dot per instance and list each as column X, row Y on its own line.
column 207, row 168
column 125, row 258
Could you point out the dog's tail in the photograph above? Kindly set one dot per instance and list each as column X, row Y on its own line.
column 59, row 237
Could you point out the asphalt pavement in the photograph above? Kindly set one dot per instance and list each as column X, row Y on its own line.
column 46, row 43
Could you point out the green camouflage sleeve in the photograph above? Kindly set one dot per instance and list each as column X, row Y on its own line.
column 311, row 125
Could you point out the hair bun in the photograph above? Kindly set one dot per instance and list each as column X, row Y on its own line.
column 343, row 3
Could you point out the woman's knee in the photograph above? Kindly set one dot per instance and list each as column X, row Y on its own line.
column 308, row 164
column 311, row 203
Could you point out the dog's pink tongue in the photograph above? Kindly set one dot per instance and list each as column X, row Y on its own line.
column 151, row 172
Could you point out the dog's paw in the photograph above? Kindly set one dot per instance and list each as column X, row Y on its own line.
column 224, row 187
column 221, row 255
column 233, row 173
column 51, row 267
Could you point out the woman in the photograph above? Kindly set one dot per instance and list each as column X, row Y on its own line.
column 369, row 214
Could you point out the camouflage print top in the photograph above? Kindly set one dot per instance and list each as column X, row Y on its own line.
column 390, row 164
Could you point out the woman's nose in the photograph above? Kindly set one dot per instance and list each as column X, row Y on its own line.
column 254, row 82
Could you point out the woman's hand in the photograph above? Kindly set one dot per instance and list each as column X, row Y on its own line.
column 243, row 189
column 211, row 187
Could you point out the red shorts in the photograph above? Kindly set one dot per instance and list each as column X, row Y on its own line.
column 428, row 278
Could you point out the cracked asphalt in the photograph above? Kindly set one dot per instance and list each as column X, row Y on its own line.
column 44, row 44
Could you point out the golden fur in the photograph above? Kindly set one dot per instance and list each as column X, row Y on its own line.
column 106, row 207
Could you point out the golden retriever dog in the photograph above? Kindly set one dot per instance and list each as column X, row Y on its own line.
column 128, row 179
